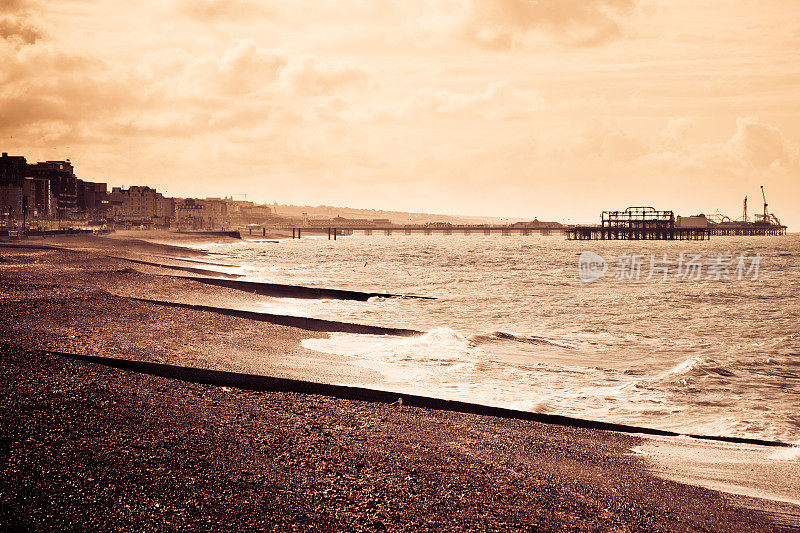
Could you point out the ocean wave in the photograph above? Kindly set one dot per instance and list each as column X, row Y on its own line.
column 497, row 336
column 695, row 367
column 787, row 454
column 439, row 346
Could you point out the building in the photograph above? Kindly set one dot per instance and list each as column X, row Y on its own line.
column 51, row 190
column 63, row 185
column 13, row 170
column 40, row 198
column 93, row 200
column 197, row 213
column 697, row 221
column 140, row 205
column 536, row 223
column 12, row 205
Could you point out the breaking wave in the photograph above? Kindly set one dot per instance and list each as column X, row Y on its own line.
column 497, row 336
column 697, row 366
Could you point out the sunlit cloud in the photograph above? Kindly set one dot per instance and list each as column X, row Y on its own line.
column 501, row 106
column 221, row 10
column 762, row 145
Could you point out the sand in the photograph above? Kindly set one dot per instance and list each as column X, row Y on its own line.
column 87, row 446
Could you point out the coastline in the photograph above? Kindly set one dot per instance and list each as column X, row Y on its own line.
column 206, row 457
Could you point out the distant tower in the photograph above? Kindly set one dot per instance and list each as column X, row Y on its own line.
column 744, row 210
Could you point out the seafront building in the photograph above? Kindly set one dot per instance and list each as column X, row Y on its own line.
column 141, row 205
column 49, row 193
column 195, row 213
column 11, row 202
column 47, row 190
column 63, row 183
column 40, row 197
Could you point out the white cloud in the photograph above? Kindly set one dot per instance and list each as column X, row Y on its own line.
column 310, row 76
column 761, row 145
column 504, row 24
column 244, row 67
column 220, row 10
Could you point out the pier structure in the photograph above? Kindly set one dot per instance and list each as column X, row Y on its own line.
column 424, row 229
column 764, row 223
column 747, row 228
column 637, row 223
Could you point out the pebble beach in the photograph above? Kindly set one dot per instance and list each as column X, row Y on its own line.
column 85, row 446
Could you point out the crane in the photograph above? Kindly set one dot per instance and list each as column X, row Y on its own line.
column 767, row 217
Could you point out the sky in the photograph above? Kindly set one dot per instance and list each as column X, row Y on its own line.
column 512, row 108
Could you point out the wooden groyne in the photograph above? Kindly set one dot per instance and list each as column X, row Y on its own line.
column 297, row 291
column 176, row 267
column 306, row 323
column 276, row 384
column 235, row 234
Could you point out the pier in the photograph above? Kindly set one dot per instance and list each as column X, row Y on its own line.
column 425, row 229
column 764, row 223
column 747, row 228
column 634, row 223
column 637, row 223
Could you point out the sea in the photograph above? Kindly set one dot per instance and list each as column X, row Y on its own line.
column 699, row 337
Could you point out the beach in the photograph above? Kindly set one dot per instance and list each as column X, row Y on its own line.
column 90, row 446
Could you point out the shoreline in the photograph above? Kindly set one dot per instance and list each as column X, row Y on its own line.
column 499, row 471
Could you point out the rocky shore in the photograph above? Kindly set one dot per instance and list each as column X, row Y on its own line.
column 85, row 446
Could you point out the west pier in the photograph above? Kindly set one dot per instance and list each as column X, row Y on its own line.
column 638, row 223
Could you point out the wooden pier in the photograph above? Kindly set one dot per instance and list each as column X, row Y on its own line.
column 425, row 229
column 747, row 228
column 669, row 234
column 637, row 223
column 634, row 223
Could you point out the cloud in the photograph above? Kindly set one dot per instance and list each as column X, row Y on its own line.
column 610, row 144
column 496, row 101
column 14, row 6
column 754, row 146
column 761, row 145
column 15, row 28
column 503, row 24
column 677, row 130
column 244, row 67
column 309, row 76
column 219, row 10
column 49, row 93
